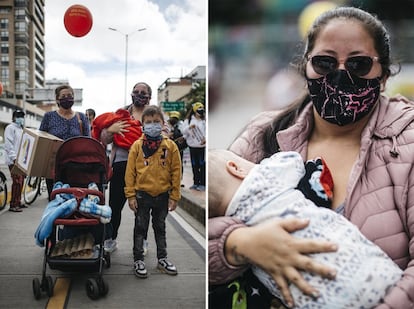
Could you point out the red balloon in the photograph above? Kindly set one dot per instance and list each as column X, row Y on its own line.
column 78, row 20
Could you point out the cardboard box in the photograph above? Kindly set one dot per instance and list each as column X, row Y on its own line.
column 37, row 153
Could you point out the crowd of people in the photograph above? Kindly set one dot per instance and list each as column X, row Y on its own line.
column 145, row 159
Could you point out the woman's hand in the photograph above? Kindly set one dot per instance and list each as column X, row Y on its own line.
column 119, row 127
column 270, row 246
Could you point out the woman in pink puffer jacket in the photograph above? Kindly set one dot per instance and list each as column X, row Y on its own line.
column 366, row 140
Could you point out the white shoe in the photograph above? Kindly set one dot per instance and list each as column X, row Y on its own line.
column 140, row 270
column 110, row 245
column 167, row 267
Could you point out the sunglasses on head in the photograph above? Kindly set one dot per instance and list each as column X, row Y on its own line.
column 358, row 65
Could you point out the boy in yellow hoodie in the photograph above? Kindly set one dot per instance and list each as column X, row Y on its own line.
column 152, row 185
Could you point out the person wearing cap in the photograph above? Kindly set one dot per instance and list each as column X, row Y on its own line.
column 194, row 131
column 12, row 136
column 177, row 136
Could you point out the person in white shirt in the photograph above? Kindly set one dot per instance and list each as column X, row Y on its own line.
column 194, row 132
column 12, row 136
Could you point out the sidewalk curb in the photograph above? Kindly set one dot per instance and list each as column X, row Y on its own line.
column 194, row 206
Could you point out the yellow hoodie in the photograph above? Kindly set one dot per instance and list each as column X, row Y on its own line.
column 157, row 174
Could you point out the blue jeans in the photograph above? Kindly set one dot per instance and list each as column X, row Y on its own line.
column 157, row 207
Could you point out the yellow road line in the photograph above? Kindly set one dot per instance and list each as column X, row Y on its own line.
column 60, row 293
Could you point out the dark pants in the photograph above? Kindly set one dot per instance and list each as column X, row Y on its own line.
column 198, row 164
column 17, row 186
column 182, row 163
column 157, row 207
column 117, row 197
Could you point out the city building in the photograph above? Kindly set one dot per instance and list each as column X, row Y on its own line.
column 45, row 98
column 173, row 92
column 22, row 58
column 22, row 48
column 22, row 63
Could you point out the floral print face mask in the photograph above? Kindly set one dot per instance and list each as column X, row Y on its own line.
column 341, row 97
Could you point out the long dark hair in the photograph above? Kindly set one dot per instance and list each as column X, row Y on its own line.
column 381, row 40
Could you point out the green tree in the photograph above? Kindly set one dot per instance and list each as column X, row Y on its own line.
column 197, row 94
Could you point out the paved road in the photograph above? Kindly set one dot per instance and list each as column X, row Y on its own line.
column 21, row 261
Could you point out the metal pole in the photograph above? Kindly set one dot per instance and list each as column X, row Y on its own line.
column 126, row 57
column 126, row 69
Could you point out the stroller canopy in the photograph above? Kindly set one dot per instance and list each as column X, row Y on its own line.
column 82, row 160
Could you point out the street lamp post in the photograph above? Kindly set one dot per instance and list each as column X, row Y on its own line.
column 126, row 56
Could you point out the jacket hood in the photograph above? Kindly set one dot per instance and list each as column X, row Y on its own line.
column 392, row 117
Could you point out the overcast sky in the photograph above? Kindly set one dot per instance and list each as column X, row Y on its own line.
column 173, row 44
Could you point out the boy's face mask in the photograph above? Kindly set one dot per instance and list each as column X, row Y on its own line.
column 153, row 129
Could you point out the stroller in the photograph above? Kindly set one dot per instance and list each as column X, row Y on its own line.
column 80, row 161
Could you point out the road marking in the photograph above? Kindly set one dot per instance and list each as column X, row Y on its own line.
column 60, row 293
column 193, row 232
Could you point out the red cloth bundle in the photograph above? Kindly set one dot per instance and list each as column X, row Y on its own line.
column 107, row 119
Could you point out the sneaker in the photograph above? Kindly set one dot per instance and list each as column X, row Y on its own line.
column 23, row 206
column 193, row 187
column 15, row 209
column 110, row 245
column 167, row 267
column 145, row 247
column 201, row 188
column 139, row 269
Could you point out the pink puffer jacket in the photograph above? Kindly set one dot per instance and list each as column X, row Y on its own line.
column 380, row 198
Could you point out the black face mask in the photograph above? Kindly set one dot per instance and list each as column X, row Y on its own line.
column 341, row 97
column 140, row 100
column 66, row 103
column 173, row 122
column 201, row 112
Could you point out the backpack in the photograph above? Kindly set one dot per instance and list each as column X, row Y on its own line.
column 179, row 138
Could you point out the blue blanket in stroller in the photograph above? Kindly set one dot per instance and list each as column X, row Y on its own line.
column 65, row 204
